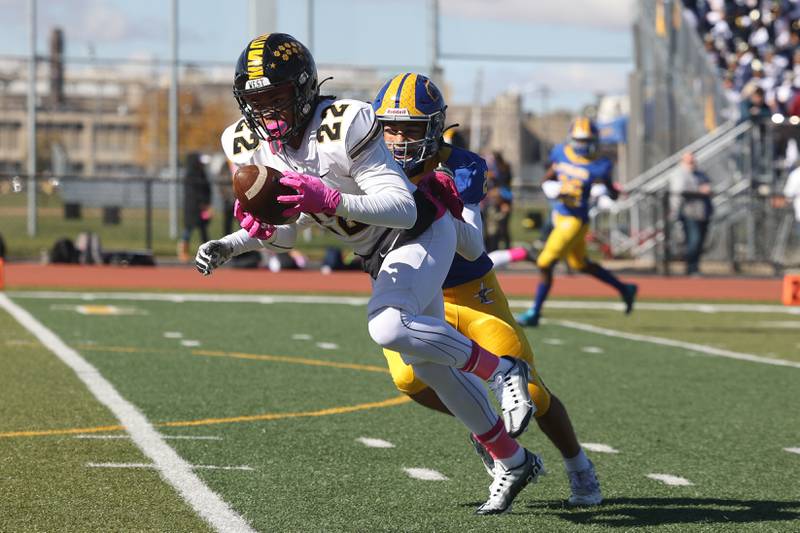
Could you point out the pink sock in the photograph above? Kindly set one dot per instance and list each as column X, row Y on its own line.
column 518, row 254
column 481, row 362
column 497, row 442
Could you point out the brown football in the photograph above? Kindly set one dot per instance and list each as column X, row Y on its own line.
column 257, row 188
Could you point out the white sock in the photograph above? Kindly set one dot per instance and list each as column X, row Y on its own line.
column 500, row 257
column 577, row 463
column 514, row 461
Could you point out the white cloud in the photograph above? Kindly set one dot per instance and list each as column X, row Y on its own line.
column 105, row 23
column 566, row 79
column 605, row 14
column 101, row 21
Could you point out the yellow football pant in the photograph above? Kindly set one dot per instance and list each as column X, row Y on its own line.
column 568, row 239
column 479, row 310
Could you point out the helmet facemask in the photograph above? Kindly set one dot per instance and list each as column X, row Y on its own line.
column 274, row 112
column 584, row 147
column 411, row 153
column 583, row 137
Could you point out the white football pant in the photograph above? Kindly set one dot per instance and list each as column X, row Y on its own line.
column 406, row 314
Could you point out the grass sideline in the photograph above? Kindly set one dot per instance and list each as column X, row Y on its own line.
column 666, row 411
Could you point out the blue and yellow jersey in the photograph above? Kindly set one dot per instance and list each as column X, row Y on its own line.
column 469, row 170
column 577, row 174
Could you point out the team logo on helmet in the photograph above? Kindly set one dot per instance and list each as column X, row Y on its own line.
column 432, row 91
column 255, row 57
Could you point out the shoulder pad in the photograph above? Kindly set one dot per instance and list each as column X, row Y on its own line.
column 470, row 172
column 556, row 151
column 364, row 128
column 239, row 143
column 346, row 128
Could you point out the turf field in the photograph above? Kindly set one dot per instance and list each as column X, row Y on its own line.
column 284, row 419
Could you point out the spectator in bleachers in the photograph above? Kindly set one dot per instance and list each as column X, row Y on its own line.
column 793, row 107
column 783, row 94
column 757, row 44
column 755, row 107
column 734, row 99
column 789, row 51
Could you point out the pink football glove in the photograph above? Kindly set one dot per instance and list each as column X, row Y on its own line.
column 255, row 228
column 312, row 196
column 440, row 188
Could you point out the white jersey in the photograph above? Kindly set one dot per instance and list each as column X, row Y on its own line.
column 344, row 146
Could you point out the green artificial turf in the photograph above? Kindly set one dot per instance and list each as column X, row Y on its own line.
column 722, row 424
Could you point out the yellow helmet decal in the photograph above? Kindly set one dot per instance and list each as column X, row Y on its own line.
column 401, row 94
column 255, row 57
column 582, row 128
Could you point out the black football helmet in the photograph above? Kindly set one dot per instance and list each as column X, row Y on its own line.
column 275, row 73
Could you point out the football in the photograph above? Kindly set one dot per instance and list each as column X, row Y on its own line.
column 257, row 188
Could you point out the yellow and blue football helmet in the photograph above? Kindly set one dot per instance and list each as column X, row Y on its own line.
column 412, row 97
column 583, row 136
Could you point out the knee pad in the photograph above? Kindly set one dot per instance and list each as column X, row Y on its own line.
column 386, row 327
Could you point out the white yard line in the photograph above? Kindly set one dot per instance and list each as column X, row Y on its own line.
column 328, row 345
column 362, row 300
column 597, row 447
column 779, row 324
column 592, row 349
column 664, row 306
column 425, row 474
column 190, row 343
column 145, row 465
column 299, row 299
column 177, row 472
column 375, row 443
column 699, row 348
column 669, row 479
column 190, row 297
column 792, row 450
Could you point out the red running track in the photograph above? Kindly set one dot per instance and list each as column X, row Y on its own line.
column 185, row 278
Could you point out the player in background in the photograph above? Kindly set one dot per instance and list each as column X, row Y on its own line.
column 599, row 201
column 411, row 110
column 332, row 153
column 575, row 168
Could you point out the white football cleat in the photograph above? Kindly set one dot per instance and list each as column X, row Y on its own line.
column 483, row 453
column 508, row 483
column 585, row 487
column 511, row 390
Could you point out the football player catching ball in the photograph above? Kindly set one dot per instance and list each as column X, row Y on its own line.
column 331, row 152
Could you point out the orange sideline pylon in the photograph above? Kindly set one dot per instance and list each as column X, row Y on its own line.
column 791, row 289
